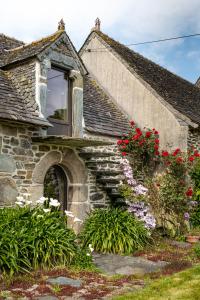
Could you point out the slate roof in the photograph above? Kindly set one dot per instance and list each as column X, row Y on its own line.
column 7, row 43
column 180, row 93
column 28, row 50
column 12, row 107
column 101, row 114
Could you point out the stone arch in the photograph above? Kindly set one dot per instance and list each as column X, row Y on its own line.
column 76, row 173
column 50, row 159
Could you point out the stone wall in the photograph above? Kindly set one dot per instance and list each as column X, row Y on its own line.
column 194, row 138
column 23, row 166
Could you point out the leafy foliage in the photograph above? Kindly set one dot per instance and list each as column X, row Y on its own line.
column 142, row 146
column 114, row 231
column 31, row 239
column 197, row 250
column 195, row 175
column 171, row 193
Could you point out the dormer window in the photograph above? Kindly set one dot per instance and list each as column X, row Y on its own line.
column 58, row 107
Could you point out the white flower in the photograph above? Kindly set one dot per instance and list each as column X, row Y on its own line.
column 20, row 199
column 69, row 213
column 54, row 202
column 28, row 202
column 26, row 195
column 46, row 210
column 77, row 220
column 21, row 204
column 41, row 200
column 88, row 254
column 40, row 216
column 90, row 247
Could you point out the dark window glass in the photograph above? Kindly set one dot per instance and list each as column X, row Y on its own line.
column 57, row 95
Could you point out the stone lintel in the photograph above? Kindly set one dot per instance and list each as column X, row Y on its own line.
column 68, row 141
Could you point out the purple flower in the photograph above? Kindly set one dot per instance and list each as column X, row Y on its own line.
column 142, row 211
column 128, row 173
column 193, row 203
column 186, row 216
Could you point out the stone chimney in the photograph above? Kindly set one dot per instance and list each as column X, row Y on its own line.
column 61, row 25
column 97, row 26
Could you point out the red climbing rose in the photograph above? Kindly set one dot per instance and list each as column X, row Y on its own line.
column 148, row 134
column 165, row 153
column 189, row 192
column 124, row 153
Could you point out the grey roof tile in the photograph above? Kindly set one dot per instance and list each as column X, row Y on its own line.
column 101, row 114
column 27, row 51
column 13, row 107
column 7, row 43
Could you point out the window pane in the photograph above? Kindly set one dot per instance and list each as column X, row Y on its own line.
column 57, row 95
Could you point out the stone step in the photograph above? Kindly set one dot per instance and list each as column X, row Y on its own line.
column 110, row 179
column 105, row 167
column 101, row 161
column 109, row 187
column 114, row 195
column 87, row 155
column 118, row 202
column 107, row 172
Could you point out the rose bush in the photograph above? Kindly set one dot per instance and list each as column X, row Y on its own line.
column 170, row 193
column 142, row 146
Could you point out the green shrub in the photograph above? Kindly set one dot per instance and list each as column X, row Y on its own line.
column 114, row 231
column 31, row 239
column 197, row 250
column 195, row 175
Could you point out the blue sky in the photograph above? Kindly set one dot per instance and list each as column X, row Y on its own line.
column 127, row 21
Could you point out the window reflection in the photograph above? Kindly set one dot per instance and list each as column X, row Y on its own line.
column 57, row 95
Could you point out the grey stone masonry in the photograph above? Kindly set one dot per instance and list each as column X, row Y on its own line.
column 105, row 173
column 194, row 138
column 19, row 158
column 93, row 173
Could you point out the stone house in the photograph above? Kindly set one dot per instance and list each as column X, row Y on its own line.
column 147, row 93
column 61, row 113
column 58, row 127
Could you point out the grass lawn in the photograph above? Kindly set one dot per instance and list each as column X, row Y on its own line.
column 181, row 286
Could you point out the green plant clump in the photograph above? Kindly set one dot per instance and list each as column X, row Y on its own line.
column 195, row 175
column 197, row 250
column 31, row 239
column 114, row 231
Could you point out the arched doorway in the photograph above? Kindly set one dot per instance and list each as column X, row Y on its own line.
column 56, row 185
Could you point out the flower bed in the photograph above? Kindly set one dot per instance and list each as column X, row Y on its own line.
column 37, row 237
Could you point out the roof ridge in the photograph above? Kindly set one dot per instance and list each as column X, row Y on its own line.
column 100, row 33
column 46, row 38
